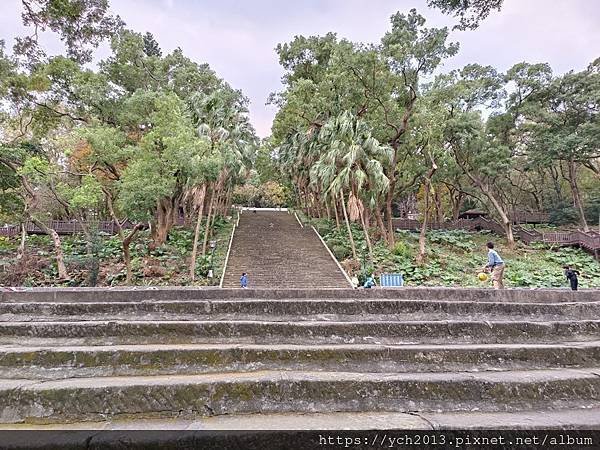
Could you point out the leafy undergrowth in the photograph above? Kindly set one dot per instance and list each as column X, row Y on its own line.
column 454, row 258
column 165, row 265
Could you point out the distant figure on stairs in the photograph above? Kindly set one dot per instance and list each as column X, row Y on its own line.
column 244, row 280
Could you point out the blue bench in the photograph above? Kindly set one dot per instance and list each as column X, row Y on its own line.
column 391, row 280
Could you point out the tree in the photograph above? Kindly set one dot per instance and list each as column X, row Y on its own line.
column 81, row 25
column 151, row 47
column 565, row 126
column 352, row 163
column 379, row 84
column 221, row 121
column 470, row 12
column 162, row 155
column 482, row 156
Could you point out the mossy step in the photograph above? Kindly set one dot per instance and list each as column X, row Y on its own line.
column 567, row 419
column 263, row 332
column 89, row 399
column 94, row 295
column 285, row 318
column 122, row 360
column 286, row 308
column 285, row 430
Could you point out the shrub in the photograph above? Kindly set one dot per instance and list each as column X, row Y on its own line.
column 340, row 252
column 268, row 195
column 401, row 249
column 563, row 215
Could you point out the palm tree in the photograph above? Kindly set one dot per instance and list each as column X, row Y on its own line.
column 352, row 163
column 221, row 121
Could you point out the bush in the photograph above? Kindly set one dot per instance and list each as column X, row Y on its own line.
column 341, row 252
column 401, row 249
column 563, row 215
column 454, row 238
column 268, row 195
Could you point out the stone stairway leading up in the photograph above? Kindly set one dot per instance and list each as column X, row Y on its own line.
column 276, row 251
column 179, row 358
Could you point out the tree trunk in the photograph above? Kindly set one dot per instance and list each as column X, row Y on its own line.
column 228, row 201
column 365, row 226
column 200, row 207
column 164, row 222
column 457, row 203
column 380, row 223
column 337, row 216
column 577, row 195
column 439, row 211
column 388, row 211
column 59, row 255
column 126, row 242
column 348, row 225
column 422, row 235
column 208, row 221
column 21, row 248
column 506, row 222
column 91, row 250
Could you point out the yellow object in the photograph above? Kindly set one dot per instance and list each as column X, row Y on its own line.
column 482, row 276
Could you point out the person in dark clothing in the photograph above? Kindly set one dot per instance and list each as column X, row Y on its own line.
column 244, row 280
column 571, row 275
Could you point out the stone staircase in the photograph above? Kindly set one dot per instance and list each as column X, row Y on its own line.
column 276, row 251
column 229, row 358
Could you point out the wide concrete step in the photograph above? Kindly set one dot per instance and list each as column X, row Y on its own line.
column 137, row 360
column 309, row 332
column 560, row 419
column 79, row 295
column 370, row 309
column 286, row 391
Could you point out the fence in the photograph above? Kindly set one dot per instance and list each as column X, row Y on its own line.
column 63, row 227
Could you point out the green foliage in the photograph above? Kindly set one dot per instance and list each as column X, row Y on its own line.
column 401, row 249
column 563, row 214
column 181, row 239
column 81, row 25
column 470, row 12
column 341, row 252
column 268, row 195
column 455, row 238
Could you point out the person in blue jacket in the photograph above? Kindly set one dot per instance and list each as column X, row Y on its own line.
column 370, row 282
column 244, row 280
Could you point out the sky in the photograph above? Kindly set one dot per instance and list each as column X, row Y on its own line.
column 238, row 38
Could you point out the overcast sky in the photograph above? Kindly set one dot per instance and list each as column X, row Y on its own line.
column 237, row 38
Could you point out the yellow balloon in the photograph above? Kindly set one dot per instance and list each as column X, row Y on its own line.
column 482, row 276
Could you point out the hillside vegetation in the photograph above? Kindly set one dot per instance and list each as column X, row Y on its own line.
column 454, row 258
column 167, row 264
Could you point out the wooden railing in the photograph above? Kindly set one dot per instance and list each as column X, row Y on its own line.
column 63, row 227
column 530, row 217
